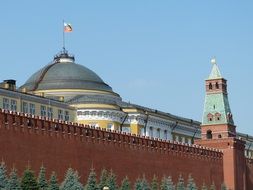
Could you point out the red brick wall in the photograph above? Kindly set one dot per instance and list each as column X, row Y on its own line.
column 249, row 173
column 81, row 147
column 234, row 162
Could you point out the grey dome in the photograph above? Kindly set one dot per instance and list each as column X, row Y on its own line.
column 63, row 73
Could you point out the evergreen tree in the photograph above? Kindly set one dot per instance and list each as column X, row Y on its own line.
column 167, row 184
column 170, row 184
column 112, row 184
column 145, row 185
column 3, row 176
column 125, row 185
column 191, row 184
column 28, row 181
column 164, row 183
column 71, row 181
column 213, row 186
column 103, row 182
column 204, row 187
column 53, row 182
column 42, row 182
column 180, row 183
column 154, row 183
column 91, row 182
column 223, row 187
column 13, row 183
column 138, row 184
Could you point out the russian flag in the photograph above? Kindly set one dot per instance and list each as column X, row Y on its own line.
column 67, row 27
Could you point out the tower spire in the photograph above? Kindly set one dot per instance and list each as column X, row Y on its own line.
column 215, row 72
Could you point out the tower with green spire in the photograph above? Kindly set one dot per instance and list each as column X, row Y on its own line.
column 217, row 121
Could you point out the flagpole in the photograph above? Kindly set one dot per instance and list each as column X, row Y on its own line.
column 63, row 36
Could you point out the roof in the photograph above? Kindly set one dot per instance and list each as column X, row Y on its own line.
column 215, row 73
column 64, row 73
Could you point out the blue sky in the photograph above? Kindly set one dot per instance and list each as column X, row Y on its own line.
column 153, row 53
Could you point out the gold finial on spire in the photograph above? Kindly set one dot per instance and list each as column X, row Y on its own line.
column 213, row 60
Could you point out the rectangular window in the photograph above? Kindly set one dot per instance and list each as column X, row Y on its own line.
column 66, row 115
column 110, row 126
column 50, row 112
column 165, row 135
column 151, row 132
column 25, row 107
column 158, row 133
column 6, row 103
column 32, row 109
column 60, row 114
column 142, row 131
column 126, row 129
column 43, row 112
column 13, row 105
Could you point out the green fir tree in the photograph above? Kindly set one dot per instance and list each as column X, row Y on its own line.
column 138, row 184
column 71, row 181
column 42, row 182
column 13, row 183
column 28, row 181
column 191, row 184
column 125, row 184
column 154, row 183
column 170, row 184
column 103, row 182
column 91, row 182
column 167, row 184
column 53, row 182
column 180, row 183
column 3, row 175
column 112, row 184
column 145, row 185
column 212, row 187
column 223, row 187
column 204, row 187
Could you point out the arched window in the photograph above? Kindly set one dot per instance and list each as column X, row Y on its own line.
column 219, row 136
column 210, row 86
column 209, row 134
column 217, row 85
column 151, row 132
column 210, row 117
column 158, row 133
column 217, row 116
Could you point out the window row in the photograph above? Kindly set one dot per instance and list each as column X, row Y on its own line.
column 48, row 112
column 9, row 104
column 45, row 111
column 155, row 133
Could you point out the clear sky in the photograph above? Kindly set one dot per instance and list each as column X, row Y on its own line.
column 155, row 53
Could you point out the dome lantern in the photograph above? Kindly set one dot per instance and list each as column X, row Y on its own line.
column 64, row 57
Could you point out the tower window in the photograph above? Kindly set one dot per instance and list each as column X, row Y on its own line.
column 210, row 86
column 219, row 136
column 209, row 134
column 217, row 116
column 210, row 117
column 217, row 85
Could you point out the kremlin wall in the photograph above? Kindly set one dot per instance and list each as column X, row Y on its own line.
column 76, row 120
column 59, row 145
